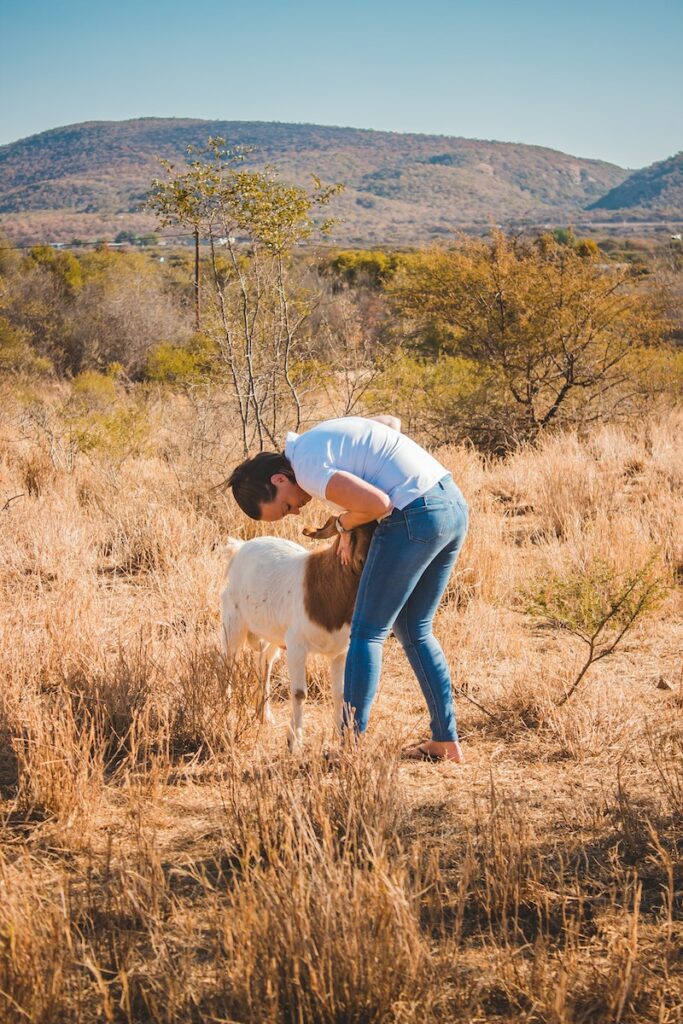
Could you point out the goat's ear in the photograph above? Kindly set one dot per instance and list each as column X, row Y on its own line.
column 328, row 529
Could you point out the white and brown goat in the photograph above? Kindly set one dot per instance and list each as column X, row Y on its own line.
column 279, row 595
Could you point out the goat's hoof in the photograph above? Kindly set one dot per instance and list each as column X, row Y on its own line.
column 295, row 745
column 332, row 759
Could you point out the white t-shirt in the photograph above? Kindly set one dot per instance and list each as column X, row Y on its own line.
column 370, row 450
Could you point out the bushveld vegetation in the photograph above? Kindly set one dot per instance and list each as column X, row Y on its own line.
column 486, row 341
column 162, row 856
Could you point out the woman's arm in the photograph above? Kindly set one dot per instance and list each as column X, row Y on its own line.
column 363, row 501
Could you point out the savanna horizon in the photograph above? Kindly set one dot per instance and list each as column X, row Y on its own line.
column 89, row 181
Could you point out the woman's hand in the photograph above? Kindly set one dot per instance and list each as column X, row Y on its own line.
column 389, row 421
column 344, row 549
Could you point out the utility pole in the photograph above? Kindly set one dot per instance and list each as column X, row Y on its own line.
column 196, row 280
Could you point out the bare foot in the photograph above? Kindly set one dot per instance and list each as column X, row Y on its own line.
column 435, row 750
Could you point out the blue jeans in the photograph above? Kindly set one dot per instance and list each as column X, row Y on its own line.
column 410, row 559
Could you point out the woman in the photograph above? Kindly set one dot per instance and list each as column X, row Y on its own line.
column 367, row 470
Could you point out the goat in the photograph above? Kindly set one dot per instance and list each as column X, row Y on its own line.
column 279, row 595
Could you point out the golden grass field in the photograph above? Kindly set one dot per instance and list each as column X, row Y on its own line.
column 164, row 858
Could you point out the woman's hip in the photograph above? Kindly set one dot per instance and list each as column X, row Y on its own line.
column 402, row 549
column 439, row 513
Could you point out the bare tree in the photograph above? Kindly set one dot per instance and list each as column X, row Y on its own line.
column 252, row 222
column 349, row 329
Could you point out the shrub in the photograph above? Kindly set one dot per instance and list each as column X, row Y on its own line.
column 552, row 331
column 449, row 399
column 596, row 605
column 16, row 354
column 102, row 418
column 180, row 364
column 363, row 266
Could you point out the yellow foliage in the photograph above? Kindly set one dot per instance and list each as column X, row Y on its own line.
column 374, row 266
column 62, row 265
column 181, row 364
column 441, row 397
column 16, row 354
column 103, row 418
column 551, row 328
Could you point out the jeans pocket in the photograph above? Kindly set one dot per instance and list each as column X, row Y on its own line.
column 426, row 524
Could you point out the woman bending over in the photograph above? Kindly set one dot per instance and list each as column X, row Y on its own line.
column 367, row 470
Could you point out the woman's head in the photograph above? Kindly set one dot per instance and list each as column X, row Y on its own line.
column 265, row 487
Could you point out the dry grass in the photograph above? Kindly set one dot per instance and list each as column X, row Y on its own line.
column 163, row 858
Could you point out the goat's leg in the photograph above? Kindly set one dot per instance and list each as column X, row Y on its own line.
column 233, row 635
column 268, row 656
column 337, row 673
column 296, row 663
column 233, row 627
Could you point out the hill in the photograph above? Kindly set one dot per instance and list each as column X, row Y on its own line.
column 657, row 189
column 90, row 179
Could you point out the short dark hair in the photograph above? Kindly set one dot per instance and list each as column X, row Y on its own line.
column 250, row 481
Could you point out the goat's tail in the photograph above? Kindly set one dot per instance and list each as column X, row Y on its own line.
column 231, row 548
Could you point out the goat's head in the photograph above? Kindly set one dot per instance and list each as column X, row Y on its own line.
column 360, row 540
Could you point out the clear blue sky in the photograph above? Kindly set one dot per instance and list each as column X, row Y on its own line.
column 598, row 79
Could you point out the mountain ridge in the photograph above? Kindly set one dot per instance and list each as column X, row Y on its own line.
column 658, row 187
column 400, row 188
